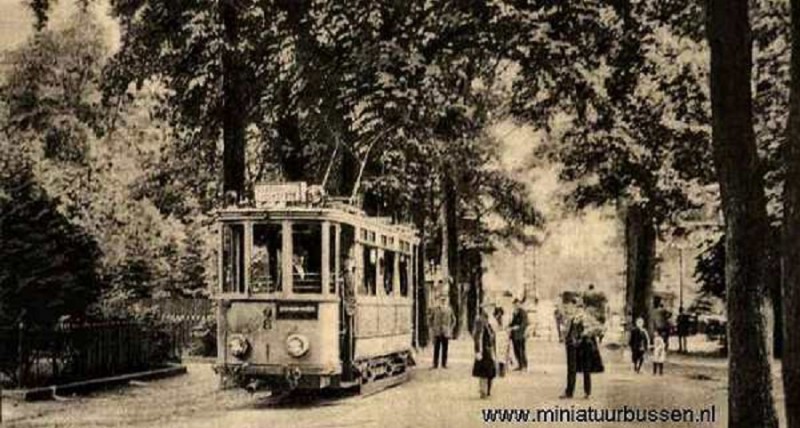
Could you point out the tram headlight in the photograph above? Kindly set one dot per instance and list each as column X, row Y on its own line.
column 297, row 345
column 238, row 346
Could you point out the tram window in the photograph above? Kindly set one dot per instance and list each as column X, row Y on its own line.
column 370, row 274
column 347, row 254
column 388, row 272
column 265, row 261
column 233, row 258
column 403, row 267
column 307, row 258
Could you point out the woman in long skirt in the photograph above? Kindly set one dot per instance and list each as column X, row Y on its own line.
column 485, row 367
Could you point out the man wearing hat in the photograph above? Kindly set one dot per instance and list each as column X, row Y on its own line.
column 441, row 321
column 518, row 328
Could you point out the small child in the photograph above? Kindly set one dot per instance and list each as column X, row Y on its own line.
column 659, row 355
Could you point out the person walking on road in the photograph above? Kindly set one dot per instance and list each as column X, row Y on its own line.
column 518, row 328
column 639, row 343
column 583, row 353
column 441, row 321
column 484, row 336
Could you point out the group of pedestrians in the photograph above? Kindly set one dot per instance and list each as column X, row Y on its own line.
column 493, row 340
column 581, row 335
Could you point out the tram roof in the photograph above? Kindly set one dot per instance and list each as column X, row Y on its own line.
column 342, row 214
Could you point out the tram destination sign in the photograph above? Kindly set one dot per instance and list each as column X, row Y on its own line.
column 297, row 311
column 280, row 193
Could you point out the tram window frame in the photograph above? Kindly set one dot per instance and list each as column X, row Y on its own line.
column 274, row 259
column 233, row 255
column 369, row 281
column 402, row 268
column 388, row 260
column 312, row 259
column 333, row 256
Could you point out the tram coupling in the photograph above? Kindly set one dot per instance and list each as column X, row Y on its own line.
column 293, row 375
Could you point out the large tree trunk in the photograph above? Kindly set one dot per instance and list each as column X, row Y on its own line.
column 744, row 206
column 234, row 111
column 475, row 291
column 421, row 296
column 640, row 244
column 450, row 247
column 791, row 239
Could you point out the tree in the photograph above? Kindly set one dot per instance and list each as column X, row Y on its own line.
column 791, row 232
column 192, row 262
column 636, row 136
column 47, row 264
column 744, row 206
column 215, row 57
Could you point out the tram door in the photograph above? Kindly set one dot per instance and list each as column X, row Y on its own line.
column 347, row 307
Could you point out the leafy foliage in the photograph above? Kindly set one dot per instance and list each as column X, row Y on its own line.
column 47, row 264
column 97, row 161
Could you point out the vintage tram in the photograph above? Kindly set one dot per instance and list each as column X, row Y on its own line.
column 313, row 293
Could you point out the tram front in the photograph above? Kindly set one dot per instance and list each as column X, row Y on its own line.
column 278, row 312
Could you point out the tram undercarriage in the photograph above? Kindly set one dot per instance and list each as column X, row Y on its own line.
column 371, row 375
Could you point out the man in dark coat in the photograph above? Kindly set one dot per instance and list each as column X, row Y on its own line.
column 518, row 328
column 583, row 354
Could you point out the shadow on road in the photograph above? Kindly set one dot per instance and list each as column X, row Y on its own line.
column 301, row 399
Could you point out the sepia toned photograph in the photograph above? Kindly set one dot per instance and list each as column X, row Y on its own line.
column 399, row 213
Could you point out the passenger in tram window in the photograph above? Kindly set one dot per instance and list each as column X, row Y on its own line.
column 298, row 265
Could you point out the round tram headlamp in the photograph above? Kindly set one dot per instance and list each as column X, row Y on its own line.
column 297, row 345
column 238, row 346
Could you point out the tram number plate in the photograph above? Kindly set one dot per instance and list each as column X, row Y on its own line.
column 267, row 316
column 297, row 311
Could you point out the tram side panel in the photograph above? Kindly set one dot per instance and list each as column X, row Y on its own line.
column 383, row 329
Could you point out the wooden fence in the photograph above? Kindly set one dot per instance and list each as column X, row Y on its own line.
column 66, row 353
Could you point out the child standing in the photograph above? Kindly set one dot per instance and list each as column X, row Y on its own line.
column 659, row 355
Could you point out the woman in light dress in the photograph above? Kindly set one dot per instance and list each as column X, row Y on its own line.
column 503, row 340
